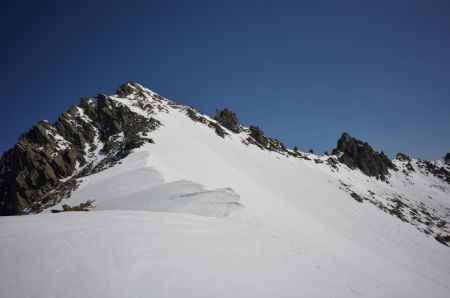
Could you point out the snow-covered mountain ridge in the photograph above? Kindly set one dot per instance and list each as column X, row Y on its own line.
column 273, row 221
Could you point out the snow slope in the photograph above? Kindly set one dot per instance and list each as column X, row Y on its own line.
column 134, row 185
column 196, row 215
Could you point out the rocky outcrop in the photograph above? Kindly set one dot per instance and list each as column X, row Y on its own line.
column 228, row 119
column 403, row 157
column 85, row 139
column 198, row 117
column 357, row 154
column 258, row 138
column 438, row 171
column 441, row 171
column 258, row 135
column 129, row 88
column 447, row 158
column 406, row 160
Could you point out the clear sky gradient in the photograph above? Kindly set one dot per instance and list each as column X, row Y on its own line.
column 304, row 71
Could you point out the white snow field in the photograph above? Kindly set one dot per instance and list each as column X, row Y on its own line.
column 196, row 215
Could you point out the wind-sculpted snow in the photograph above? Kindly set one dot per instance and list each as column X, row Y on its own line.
column 132, row 185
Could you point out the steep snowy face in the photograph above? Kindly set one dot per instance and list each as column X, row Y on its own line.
column 134, row 184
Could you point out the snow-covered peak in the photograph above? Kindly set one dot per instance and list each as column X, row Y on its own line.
column 182, row 204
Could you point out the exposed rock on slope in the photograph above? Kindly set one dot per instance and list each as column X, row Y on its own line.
column 198, row 117
column 228, row 119
column 257, row 134
column 87, row 138
column 441, row 171
column 447, row 158
column 264, row 142
column 357, row 154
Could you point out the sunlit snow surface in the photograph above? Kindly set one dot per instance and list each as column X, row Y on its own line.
column 132, row 185
column 195, row 215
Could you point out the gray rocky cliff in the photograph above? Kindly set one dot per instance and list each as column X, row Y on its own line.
column 87, row 138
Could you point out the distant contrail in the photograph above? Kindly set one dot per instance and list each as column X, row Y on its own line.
column 384, row 96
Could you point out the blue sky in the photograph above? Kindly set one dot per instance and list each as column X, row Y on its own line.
column 304, row 71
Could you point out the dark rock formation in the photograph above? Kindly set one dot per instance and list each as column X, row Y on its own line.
column 258, row 138
column 197, row 117
column 444, row 239
column 257, row 134
column 407, row 162
column 447, row 158
column 87, row 138
column 228, row 119
column 402, row 157
column 357, row 154
column 129, row 88
column 432, row 168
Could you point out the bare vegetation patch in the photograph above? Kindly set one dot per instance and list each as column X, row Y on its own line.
column 86, row 206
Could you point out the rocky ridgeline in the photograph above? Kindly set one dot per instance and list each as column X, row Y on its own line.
column 198, row 117
column 43, row 167
column 357, row 154
column 350, row 151
column 442, row 172
column 437, row 169
column 229, row 120
column 87, row 138
column 226, row 122
column 447, row 159
column 256, row 136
